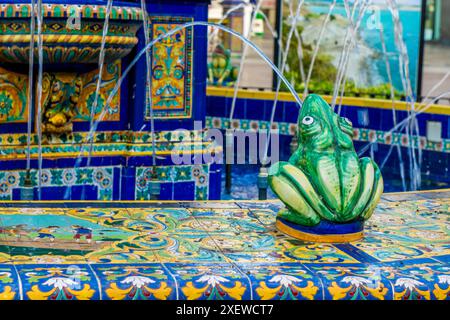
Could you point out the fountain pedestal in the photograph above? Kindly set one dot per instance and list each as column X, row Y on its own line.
column 121, row 165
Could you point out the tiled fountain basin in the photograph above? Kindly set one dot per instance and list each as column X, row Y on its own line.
column 65, row 39
column 218, row 250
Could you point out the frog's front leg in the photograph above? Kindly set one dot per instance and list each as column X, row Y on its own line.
column 299, row 211
column 371, row 190
column 293, row 188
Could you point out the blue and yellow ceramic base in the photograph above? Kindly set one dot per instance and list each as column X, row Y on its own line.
column 323, row 232
column 218, row 250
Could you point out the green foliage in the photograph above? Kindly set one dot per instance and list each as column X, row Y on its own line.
column 324, row 73
column 323, row 68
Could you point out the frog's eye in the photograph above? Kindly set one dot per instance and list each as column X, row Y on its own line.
column 307, row 120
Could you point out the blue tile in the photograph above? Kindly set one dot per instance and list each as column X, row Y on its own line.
column 353, row 282
column 9, row 283
column 284, row 281
column 210, row 282
column 135, row 282
column 58, row 282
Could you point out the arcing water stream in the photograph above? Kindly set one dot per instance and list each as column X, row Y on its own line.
column 30, row 81
column 316, row 48
column 40, row 18
column 354, row 17
column 93, row 107
column 148, row 47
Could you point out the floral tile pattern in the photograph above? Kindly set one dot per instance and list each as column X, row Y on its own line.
column 101, row 178
column 359, row 134
column 353, row 282
column 289, row 281
column 58, row 282
column 218, row 250
column 9, row 284
column 219, row 281
column 135, row 282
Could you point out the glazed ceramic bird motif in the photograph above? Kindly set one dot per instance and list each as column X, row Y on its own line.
column 324, row 178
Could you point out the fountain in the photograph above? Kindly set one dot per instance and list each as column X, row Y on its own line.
column 105, row 100
column 86, row 146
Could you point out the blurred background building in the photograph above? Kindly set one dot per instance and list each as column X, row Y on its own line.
column 436, row 63
column 429, row 57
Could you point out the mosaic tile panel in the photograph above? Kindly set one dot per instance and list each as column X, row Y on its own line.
column 135, row 282
column 217, row 250
column 65, row 27
column 23, row 10
column 359, row 134
column 9, row 284
column 110, row 76
column 14, row 94
column 107, row 144
column 171, row 84
column 198, row 174
column 20, row 139
column 13, row 97
column 62, row 282
column 100, row 177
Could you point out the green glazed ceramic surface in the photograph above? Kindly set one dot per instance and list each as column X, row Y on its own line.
column 324, row 178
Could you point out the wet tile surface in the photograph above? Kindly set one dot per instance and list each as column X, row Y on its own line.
column 218, row 250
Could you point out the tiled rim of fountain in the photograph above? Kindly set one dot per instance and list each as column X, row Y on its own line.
column 238, row 259
column 350, row 101
column 119, row 11
column 385, row 196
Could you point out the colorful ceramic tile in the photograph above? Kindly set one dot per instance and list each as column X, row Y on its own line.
column 210, row 282
column 227, row 221
column 66, row 235
column 13, row 97
column 167, row 137
column 445, row 259
column 418, row 280
column 211, row 205
column 125, row 253
column 242, row 238
column 266, row 216
column 285, row 281
column 125, row 250
column 412, row 230
column 136, row 282
column 171, row 87
column 110, row 76
column 270, row 205
column 9, row 283
column 107, row 144
column 436, row 195
column 353, row 282
column 14, row 94
column 359, row 134
column 101, row 178
column 174, row 235
column 198, row 174
column 75, row 40
column 22, row 10
column 58, row 282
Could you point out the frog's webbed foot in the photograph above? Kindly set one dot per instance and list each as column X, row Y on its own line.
column 371, row 190
column 285, row 185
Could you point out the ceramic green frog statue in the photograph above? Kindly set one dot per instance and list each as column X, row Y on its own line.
column 220, row 70
column 328, row 191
